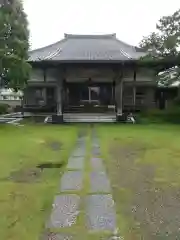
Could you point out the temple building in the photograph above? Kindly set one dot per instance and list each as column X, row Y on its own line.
column 89, row 74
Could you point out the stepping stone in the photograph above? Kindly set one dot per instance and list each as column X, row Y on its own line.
column 97, row 164
column 100, row 213
column 95, row 144
column 65, row 211
column 71, row 181
column 99, row 182
column 76, row 163
column 96, row 151
column 78, row 153
column 81, row 140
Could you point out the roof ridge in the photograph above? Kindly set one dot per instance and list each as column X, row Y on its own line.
column 93, row 36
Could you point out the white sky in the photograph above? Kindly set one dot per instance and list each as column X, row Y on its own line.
column 129, row 19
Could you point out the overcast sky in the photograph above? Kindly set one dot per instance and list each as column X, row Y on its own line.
column 129, row 19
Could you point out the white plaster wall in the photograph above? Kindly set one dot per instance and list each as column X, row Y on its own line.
column 96, row 75
column 142, row 75
column 51, row 75
column 36, row 75
column 145, row 75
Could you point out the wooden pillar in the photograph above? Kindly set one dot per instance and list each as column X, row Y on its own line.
column 59, row 98
column 60, row 86
column 44, row 93
column 58, row 118
column 113, row 99
column 134, row 91
column 119, row 96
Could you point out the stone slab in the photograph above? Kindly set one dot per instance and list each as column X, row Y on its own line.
column 65, row 211
column 99, row 182
column 95, row 142
column 79, row 152
column 81, row 147
column 96, row 151
column 81, row 143
column 56, row 236
column 97, row 164
column 75, row 163
column 81, row 140
column 71, row 181
column 100, row 213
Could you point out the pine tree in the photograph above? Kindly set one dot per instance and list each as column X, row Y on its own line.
column 165, row 44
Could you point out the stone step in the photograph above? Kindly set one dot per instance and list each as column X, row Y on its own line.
column 86, row 118
column 7, row 120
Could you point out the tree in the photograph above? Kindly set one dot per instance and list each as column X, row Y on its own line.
column 165, row 44
column 14, row 44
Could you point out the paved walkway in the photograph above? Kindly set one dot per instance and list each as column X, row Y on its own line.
column 99, row 205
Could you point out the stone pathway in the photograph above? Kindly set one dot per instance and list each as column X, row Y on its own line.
column 100, row 212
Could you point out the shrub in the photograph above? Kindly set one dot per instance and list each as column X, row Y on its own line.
column 171, row 115
column 176, row 101
column 4, row 108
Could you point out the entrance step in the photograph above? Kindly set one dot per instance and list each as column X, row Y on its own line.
column 89, row 118
column 86, row 118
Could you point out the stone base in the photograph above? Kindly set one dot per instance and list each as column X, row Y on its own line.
column 121, row 118
column 57, row 119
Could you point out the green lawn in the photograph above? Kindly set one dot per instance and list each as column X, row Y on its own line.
column 143, row 163
column 26, row 193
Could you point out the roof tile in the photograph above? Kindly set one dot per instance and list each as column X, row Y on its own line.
column 87, row 48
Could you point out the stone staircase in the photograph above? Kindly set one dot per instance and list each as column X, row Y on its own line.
column 86, row 118
column 12, row 118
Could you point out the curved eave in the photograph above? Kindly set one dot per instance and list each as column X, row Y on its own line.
column 157, row 64
column 47, row 63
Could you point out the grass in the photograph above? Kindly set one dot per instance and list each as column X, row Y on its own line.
column 26, row 204
column 143, row 163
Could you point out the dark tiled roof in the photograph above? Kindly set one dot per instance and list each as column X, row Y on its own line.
column 87, row 48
